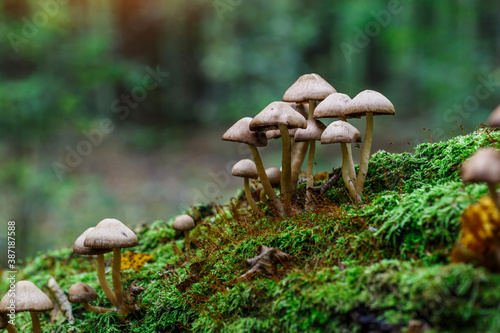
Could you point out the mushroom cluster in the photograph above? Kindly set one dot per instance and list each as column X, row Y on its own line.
column 299, row 131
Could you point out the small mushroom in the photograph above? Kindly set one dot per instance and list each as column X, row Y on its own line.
column 184, row 223
column 274, row 176
column 27, row 297
column 79, row 248
column 83, row 293
column 483, row 166
column 246, row 169
column 112, row 234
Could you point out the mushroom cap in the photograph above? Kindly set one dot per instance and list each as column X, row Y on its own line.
column 494, row 118
column 183, row 223
column 340, row 132
column 277, row 113
column 369, row 101
column 28, row 297
column 332, row 107
column 81, row 292
column 302, row 108
column 482, row 166
column 274, row 175
column 308, row 87
column 313, row 131
column 111, row 234
column 240, row 132
column 245, row 168
column 276, row 133
column 79, row 248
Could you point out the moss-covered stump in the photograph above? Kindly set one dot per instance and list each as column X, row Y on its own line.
column 382, row 266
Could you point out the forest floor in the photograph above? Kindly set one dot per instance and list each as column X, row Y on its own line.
column 383, row 266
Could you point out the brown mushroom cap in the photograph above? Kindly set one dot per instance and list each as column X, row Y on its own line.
column 79, row 248
column 369, row 101
column 28, row 297
column 308, row 87
column 494, row 118
column 274, row 175
column 332, row 107
column 277, row 113
column 313, row 131
column 240, row 132
column 340, row 132
column 482, row 166
column 183, row 223
column 81, row 292
column 245, row 168
column 111, row 234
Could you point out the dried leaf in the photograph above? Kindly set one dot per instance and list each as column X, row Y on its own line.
column 266, row 262
column 130, row 297
column 135, row 261
column 60, row 300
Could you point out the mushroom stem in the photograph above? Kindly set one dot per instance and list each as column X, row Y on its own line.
column 310, row 163
column 349, row 184
column 298, row 156
column 36, row 322
column 312, row 107
column 265, row 180
column 187, row 243
column 263, row 197
column 248, row 194
column 352, row 171
column 286, row 172
column 11, row 328
column 494, row 194
column 96, row 309
column 103, row 282
column 117, row 276
column 365, row 154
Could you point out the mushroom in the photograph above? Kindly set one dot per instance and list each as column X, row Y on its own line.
column 367, row 103
column 79, row 248
column 274, row 176
column 83, row 293
column 280, row 115
column 333, row 107
column 27, row 297
column 246, row 169
column 494, row 118
column 483, row 166
column 184, row 223
column 342, row 132
column 112, row 234
column 240, row 132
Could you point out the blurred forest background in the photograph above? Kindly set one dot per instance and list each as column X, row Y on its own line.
column 115, row 108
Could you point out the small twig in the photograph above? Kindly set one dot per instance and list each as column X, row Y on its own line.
column 321, row 189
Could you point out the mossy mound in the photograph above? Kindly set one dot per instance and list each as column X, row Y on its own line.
column 378, row 267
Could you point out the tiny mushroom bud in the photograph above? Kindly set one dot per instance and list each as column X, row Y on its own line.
column 184, row 223
column 83, row 293
column 246, row 169
column 28, row 297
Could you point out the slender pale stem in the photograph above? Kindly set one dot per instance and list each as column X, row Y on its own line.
column 365, row 154
column 298, row 156
column 312, row 107
column 103, row 282
column 35, row 320
column 352, row 171
column 96, row 309
column 286, row 172
column 310, row 163
column 265, row 180
column 117, row 276
column 263, row 197
column 187, row 243
column 345, row 174
column 494, row 194
column 248, row 194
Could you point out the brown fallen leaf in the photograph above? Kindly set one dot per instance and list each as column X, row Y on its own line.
column 266, row 262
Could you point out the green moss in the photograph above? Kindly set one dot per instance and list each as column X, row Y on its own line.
column 382, row 264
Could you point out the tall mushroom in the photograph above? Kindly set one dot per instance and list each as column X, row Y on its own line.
column 483, row 166
column 342, row 132
column 83, row 293
column 309, row 88
column 185, row 223
column 367, row 103
column 27, row 297
column 246, row 169
column 240, row 132
column 79, row 248
column 112, row 234
column 280, row 115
